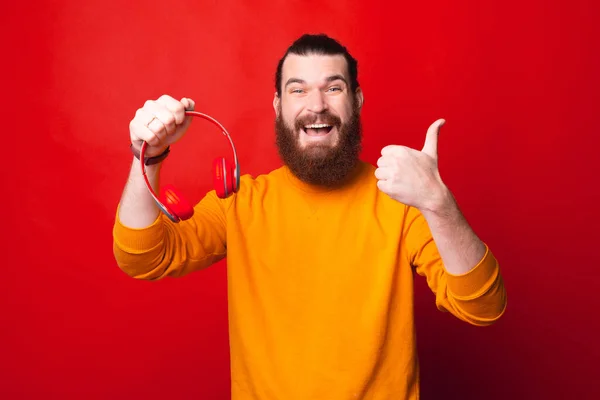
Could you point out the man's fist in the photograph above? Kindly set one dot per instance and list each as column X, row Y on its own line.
column 160, row 123
column 411, row 176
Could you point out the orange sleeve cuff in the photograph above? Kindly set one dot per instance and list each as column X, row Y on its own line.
column 477, row 281
column 138, row 240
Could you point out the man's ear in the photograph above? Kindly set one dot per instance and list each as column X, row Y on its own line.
column 360, row 99
column 276, row 102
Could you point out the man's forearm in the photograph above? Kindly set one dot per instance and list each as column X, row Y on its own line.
column 460, row 248
column 137, row 208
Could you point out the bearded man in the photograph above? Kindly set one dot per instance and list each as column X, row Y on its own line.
column 321, row 252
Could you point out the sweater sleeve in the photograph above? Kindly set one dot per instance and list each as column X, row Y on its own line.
column 477, row 296
column 173, row 249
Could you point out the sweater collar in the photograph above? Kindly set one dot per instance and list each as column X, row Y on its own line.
column 315, row 189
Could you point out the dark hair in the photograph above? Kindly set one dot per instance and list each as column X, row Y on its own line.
column 320, row 44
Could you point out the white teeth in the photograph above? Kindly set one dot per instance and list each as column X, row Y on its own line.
column 317, row 126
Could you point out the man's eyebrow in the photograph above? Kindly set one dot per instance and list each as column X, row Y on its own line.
column 335, row 78
column 294, row 80
column 328, row 80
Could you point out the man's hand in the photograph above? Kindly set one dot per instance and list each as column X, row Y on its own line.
column 160, row 123
column 411, row 176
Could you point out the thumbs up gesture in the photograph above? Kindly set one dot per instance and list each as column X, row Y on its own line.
column 411, row 176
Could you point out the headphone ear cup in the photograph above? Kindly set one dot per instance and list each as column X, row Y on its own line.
column 235, row 173
column 175, row 202
column 223, row 177
column 231, row 181
column 219, row 177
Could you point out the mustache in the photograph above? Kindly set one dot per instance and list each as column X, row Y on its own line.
column 324, row 118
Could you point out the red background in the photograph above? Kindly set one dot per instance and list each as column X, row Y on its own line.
column 517, row 82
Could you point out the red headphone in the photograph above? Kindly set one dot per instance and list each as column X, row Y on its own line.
column 226, row 180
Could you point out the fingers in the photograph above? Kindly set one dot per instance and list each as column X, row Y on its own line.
column 147, row 128
column 382, row 173
column 173, row 110
column 395, row 151
column 162, row 118
column 159, row 118
column 385, row 161
column 188, row 104
column 384, row 186
column 389, row 150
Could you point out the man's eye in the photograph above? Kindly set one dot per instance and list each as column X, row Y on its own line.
column 334, row 89
column 296, row 90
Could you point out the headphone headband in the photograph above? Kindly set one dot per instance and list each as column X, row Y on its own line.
column 236, row 176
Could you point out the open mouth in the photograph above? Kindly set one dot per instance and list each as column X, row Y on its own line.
column 317, row 129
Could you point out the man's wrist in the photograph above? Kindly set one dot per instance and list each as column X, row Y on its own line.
column 442, row 204
column 151, row 160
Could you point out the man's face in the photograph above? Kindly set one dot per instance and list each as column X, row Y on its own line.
column 318, row 123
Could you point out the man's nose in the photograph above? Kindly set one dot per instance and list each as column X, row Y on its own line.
column 316, row 102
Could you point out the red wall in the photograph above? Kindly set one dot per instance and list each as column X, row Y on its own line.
column 516, row 81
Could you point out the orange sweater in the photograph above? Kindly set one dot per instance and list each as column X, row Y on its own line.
column 320, row 284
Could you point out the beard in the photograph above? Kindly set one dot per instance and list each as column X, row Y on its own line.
column 320, row 164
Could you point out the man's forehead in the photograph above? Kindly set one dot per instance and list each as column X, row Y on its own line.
column 314, row 66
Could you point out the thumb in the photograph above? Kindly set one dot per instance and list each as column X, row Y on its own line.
column 189, row 105
column 431, row 139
